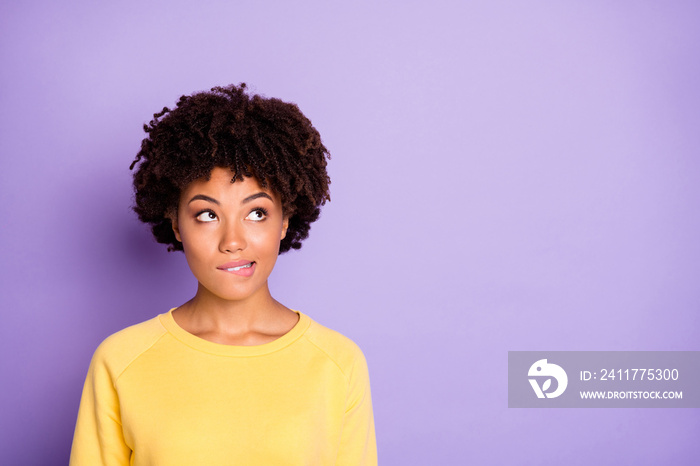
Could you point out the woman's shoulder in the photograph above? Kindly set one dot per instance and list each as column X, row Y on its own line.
column 341, row 349
column 118, row 350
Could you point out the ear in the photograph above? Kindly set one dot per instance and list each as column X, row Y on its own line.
column 172, row 215
column 285, row 225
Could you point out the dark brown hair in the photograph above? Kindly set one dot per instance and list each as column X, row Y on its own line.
column 254, row 136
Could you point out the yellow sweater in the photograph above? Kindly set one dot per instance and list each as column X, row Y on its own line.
column 157, row 395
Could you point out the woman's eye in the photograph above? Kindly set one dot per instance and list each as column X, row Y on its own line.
column 206, row 216
column 256, row 215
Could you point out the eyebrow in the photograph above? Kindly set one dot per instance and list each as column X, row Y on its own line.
column 202, row 197
column 252, row 197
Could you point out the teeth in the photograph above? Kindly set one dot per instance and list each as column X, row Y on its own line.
column 240, row 267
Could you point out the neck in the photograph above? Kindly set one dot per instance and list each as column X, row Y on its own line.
column 236, row 322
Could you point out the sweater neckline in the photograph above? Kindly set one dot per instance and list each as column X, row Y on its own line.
column 206, row 346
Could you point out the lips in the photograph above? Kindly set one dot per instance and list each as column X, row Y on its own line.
column 243, row 268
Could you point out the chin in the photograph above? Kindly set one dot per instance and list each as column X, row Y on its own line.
column 232, row 294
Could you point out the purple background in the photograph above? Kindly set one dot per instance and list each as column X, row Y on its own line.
column 506, row 176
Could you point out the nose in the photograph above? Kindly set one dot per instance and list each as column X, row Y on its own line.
column 232, row 237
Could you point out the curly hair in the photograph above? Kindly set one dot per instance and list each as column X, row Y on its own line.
column 253, row 136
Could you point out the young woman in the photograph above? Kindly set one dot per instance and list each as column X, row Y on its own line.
column 231, row 376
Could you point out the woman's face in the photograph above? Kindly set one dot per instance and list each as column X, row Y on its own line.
column 230, row 233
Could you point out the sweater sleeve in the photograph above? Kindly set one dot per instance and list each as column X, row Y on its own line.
column 98, row 438
column 358, row 446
